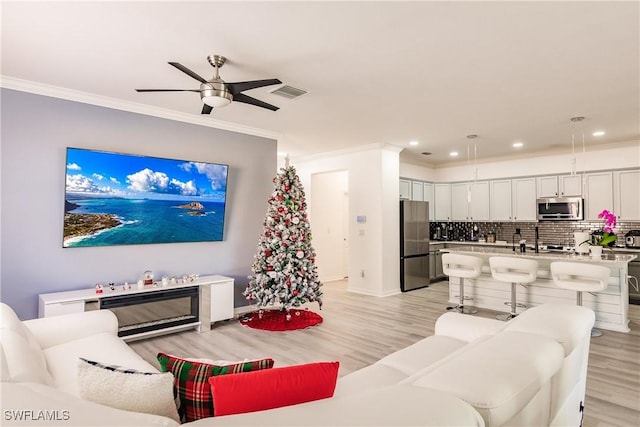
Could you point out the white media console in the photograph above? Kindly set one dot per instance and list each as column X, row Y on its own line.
column 209, row 302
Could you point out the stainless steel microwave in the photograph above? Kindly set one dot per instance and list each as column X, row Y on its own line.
column 560, row 209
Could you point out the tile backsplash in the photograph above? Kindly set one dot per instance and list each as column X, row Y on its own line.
column 550, row 232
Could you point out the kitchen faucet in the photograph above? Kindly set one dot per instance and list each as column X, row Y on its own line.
column 513, row 239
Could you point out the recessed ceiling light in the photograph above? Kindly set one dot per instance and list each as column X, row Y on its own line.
column 453, row 153
column 517, row 144
column 598, row 133
column 413, row 143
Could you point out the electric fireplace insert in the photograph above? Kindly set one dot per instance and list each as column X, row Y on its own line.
column 150, row 311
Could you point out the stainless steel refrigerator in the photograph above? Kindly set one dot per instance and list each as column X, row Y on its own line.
column 414, row 245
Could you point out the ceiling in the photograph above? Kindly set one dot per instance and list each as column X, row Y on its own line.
column 375, row 72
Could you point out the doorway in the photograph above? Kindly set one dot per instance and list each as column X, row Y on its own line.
column 329, row 221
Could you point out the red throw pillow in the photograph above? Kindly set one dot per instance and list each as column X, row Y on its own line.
column 191, row 383
column 273, row 388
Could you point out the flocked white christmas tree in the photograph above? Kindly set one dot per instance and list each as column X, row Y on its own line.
column 284, row 270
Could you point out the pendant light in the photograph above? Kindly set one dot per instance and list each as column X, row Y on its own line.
column 574, row 120
column 472, row 138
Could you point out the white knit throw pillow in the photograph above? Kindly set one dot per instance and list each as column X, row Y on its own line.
column 127, row 389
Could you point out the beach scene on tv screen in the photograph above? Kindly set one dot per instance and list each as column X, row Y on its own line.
column 123, row 199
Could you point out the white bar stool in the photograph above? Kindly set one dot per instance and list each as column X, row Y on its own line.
column 517, row 271
column 464, row 267
column 580, row 277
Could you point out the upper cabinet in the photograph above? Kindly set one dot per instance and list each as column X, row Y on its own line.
column 417, row 191
column 460, row 201
column 427, row 191
column 627, row 195
column 524, row 199
column 442, row 198
column 598, row 194
column 515, row 199
column 470, row 201
column 479, row 207
column 500, row 200
column 405, row 189
column 559, row 186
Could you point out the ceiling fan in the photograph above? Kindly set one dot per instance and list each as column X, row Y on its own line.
column 218, row 93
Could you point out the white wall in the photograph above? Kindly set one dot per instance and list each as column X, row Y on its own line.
column 420, row 173
column 373, row 193
column 35, row 133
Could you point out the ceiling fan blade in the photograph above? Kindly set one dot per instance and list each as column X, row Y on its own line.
column 187, row 71
column 206, row 109
column 241, row 97
column 238, row 87
column 167, row 90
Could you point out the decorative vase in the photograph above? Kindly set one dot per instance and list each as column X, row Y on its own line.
column 596, row 252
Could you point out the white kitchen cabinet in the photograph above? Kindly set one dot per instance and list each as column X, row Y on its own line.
column 417, row 191
column 547, row 186
column 442, row 197
column 405, row 189
column 470, row 201
column 500, row 200
column 627, row 195
column 427, row 191
column 479, row 206
column 598, row 194
column 559, row 186
column 570, row 185
column 523, row 198
column 460, row 199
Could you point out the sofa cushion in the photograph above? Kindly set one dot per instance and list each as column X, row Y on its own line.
column 422, row 354
column 62, row 359
column 386, row 406
column 273, row 388
column 567, row 324
column 515, row 365
column 192, row 385
column 466, row 328
column 23, row 357
column 128, row 389
column 367, row 378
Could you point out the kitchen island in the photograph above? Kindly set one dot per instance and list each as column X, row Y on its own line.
column 611, row 306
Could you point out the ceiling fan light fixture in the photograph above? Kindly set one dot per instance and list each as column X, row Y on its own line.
column 216, row 98
column 216, row 101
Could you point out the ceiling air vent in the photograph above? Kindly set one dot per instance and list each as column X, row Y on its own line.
column 289, row 92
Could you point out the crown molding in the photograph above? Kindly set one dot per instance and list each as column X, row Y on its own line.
column 132, row 107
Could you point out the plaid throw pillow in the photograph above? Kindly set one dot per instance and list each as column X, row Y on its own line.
column 192, row 381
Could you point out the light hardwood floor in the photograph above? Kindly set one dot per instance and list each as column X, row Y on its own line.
column 358, row 330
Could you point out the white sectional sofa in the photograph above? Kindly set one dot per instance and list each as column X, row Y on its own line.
column 474, row 371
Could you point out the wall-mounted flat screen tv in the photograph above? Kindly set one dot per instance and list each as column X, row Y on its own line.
column 124, row 199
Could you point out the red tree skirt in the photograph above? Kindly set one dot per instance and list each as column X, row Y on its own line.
column 276, row 320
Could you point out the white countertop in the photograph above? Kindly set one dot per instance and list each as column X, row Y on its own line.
column 607, row 258
column 500, row 244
